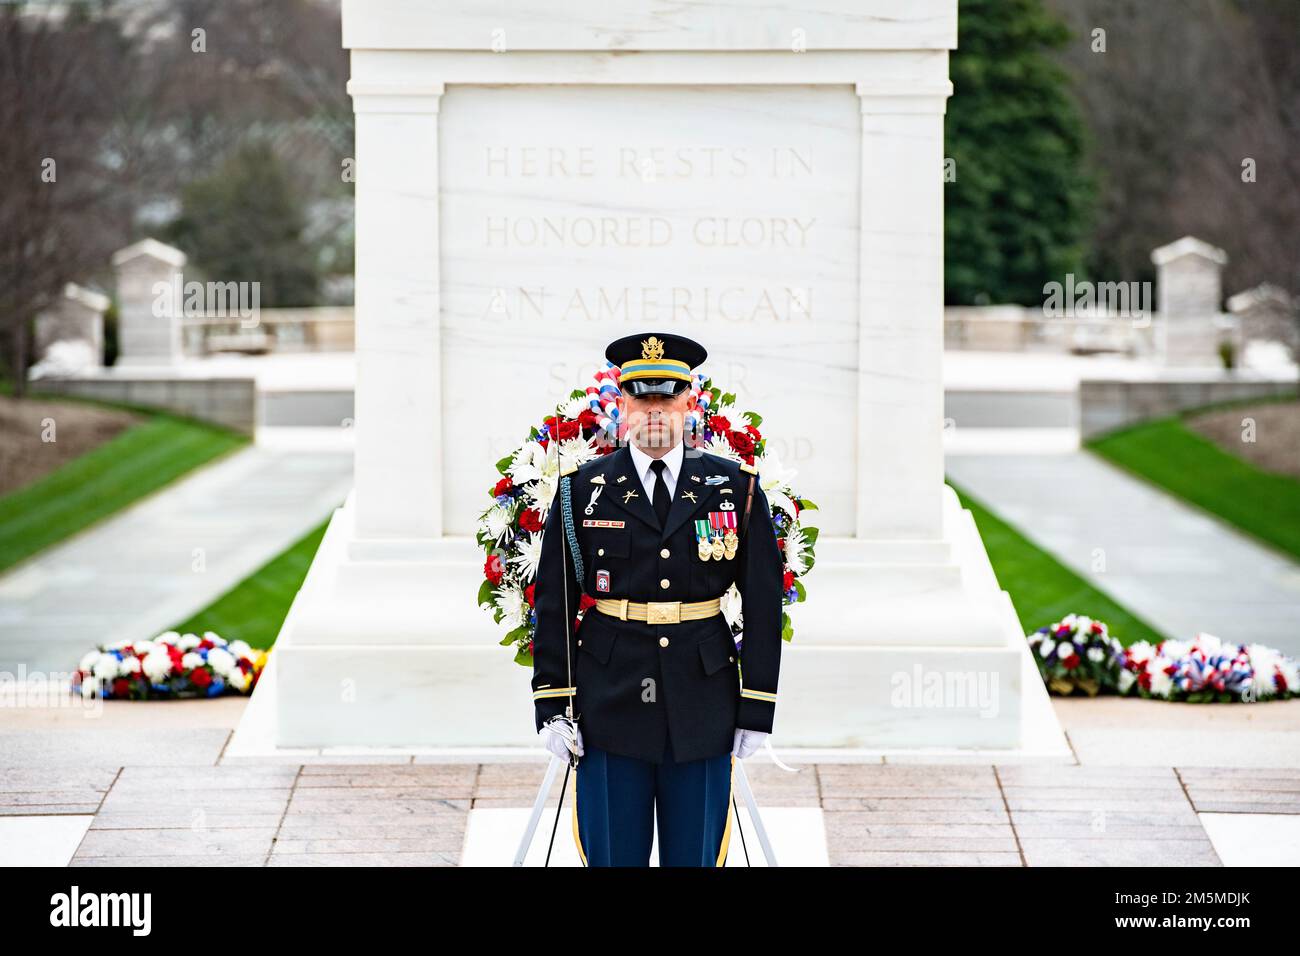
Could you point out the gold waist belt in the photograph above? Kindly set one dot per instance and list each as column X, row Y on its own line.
column 658, row 612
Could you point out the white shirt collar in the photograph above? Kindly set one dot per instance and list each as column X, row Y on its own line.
column 673, row 460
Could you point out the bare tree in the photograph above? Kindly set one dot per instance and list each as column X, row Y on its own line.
column 56, row 97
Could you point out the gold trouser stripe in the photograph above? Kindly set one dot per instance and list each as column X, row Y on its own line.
column 726, row 833
column 758, row 695
column 638, row 610
column 577, row 837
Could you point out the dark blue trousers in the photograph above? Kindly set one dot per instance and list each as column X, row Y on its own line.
column 617, row 800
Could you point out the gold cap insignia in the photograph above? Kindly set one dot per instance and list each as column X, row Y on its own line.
column 652, row 348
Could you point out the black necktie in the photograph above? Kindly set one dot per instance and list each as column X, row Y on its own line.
column 661, row 501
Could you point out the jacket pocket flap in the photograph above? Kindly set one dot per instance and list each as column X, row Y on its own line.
column 717, row 652
column 596, row 641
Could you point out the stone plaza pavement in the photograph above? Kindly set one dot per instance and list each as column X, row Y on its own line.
column 133, row 783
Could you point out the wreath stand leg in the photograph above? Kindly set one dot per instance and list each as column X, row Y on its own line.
column 527, row 840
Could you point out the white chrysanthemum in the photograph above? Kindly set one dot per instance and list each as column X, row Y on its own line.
column 795, row 547
column 157, row 666
column 215, row 638
column 1141, row 651
column 105, row 668
column 191, row 660
column 240, row 648
column 498, row 521
column 89, row 687
column 128, row 666
column 238, row 679
column 718, row 445
column 168, row 637
column 189, row 641
column 222, row 660
column 574, row 452
column 528, row 555
column 1081, row 624
column 513, row 606
column 1162, row 685
column 1175, row 649
column 1096, row 655
column 1064, row 649
column 143, row 648
column 1045, row 649
column 571, row 408
column 1126, row 679
column 87, row 663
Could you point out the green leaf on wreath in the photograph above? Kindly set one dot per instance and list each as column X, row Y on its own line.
column 485, row 592
column 806, row 504
column 523, row 657
column 799, row 590
column 504, row 463
column 809, row 533
column 755, row 419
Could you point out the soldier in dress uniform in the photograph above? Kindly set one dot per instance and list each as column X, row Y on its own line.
column 663, row 700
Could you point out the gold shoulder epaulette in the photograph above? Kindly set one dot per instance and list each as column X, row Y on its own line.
column 568, row 469
column 746, row 466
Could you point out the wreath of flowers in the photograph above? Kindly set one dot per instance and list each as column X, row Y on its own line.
column 171, row 665
column 1078, row 653
column 585, row 426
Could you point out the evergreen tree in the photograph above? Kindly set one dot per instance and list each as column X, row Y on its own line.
column 245, row 223
column 1016, row 214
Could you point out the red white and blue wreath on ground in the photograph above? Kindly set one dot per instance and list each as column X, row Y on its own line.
column 1079, row 655
column 585, row 426
column 169, row 666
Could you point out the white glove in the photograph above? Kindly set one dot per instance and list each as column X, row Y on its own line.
column 561, row 737
column 747, row 741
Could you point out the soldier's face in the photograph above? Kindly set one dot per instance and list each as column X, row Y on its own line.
column 655, row 421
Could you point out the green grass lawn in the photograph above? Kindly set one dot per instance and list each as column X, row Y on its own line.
column 140, row 460
column 1042, row 589
column 254, row 609
column 1169, row 454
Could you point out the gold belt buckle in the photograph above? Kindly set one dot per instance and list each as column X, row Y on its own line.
column 663, row 612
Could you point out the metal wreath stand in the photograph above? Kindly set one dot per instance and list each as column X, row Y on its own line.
column 738, row 766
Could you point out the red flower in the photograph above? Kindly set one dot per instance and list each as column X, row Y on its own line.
column 530, row 647
column 788, row 583
column 528, row 593
column 563, row 430
column 502, row 487
column 718, row 424
column 121, row 687
column 200, row 677
column 530, row 520
column 743, row 442
column 588, row 420
column 494, row 569
column 1071, row 662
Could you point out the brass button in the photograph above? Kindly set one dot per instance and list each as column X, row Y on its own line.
column 664, row 553
column 579, row 642
column 600, row 550
column 663, row 642
column 729, row 656
column 663, row 583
